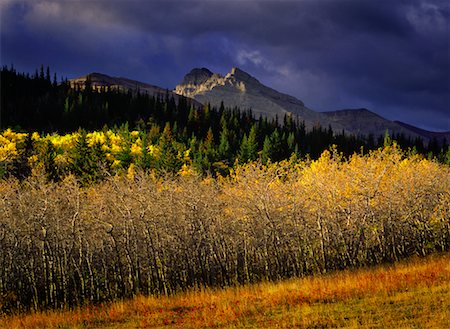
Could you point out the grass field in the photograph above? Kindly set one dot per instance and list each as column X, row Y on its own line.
column 410, row 294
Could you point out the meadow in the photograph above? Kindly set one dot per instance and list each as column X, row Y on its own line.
column 410, row 294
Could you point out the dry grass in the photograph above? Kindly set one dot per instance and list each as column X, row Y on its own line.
column 411, row 294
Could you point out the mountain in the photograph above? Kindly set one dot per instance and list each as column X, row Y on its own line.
column 240, row 89
column 365, row 122
column 439, row 136
column 99, row 80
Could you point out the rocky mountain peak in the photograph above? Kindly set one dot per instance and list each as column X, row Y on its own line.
column 240, row 75
column 240, row 89
column 197, row 76
column 199, row 81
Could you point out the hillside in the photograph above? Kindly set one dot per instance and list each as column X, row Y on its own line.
column 365, row 122
column 410, row 294
column 439, row 136
column 144, row 233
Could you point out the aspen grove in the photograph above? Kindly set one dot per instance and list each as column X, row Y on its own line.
column 63, row 244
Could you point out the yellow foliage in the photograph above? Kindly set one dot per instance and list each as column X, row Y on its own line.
column 9, row 141
column 186, row 170
column 8, row 150
column 35, row 136
column 131, row 171
column 96, row 138
column 116, row 164
column 154, row 151
column 136, row 147
column 13, row 136
column 65, row 142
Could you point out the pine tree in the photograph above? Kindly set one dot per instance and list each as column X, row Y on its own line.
column 86, row 162
column 146, row 160
column 224, row 146
column 267, row 150
column 47, row 75
column 249, row 146
column 41, row 73
column 276, row 146
column 48, row 159
column 20, row 166
column 252, row 144
column 168, row 161
column 243, row 151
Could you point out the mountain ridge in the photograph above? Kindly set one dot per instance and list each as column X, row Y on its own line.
column 440, row 136
column 240, row 89
column 365, row 122
column 99, row 80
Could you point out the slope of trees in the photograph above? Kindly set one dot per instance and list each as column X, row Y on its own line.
column 63, row 245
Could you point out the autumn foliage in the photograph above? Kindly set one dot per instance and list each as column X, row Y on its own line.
column 63, row 244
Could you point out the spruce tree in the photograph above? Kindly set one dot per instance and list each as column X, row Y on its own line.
column 168, row 160
column 86, row 162
column 48, row 159
column 224, row 146
column 267, row 150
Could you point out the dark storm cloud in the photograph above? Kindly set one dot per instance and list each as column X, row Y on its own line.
column 390, row 56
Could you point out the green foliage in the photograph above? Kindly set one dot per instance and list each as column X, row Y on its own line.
column 88, row 162
column 169, row 160
column 447, row 156
column 48, row 159
column 267, row 150
column 249, row 146
column 224, row 149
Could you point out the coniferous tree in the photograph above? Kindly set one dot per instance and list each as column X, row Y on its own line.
column 267, row 150
column 21, row 167
column 168, row 159
column 276, row 146
column 224, row 145
column 86, row 162
column 50, row 167
column 249, row 146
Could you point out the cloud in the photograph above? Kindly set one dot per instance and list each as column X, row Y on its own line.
column 390, row 55
column 254, row 57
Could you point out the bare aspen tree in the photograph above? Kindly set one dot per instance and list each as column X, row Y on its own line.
column 63, row 245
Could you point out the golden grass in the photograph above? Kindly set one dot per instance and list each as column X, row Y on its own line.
column 411, row 294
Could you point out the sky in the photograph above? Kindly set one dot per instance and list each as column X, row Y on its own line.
column 391, row 57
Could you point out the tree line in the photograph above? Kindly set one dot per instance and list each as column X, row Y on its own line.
column 215, row 138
